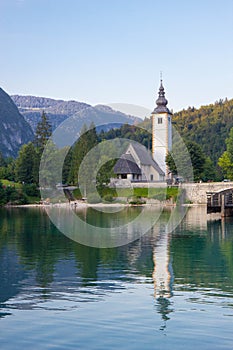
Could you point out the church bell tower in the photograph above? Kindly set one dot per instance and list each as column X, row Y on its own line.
column 161, row 130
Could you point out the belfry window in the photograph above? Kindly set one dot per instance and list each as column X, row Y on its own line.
column 160, row 120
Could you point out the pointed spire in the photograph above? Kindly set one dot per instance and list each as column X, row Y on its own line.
column 161, row 101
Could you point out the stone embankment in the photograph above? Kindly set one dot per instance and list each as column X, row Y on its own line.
column 196, row 192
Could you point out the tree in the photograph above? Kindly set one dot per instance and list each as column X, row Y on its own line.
column 226, row 165
column 25, row 166
column 78, row 151
column 50, row 165
column 198, row 159
column 3, row 198
column 2, row 160
column 85, row 143
column 3, row 169
column 140, row 133
column 67, row 165
column 108, row 156
column 42, row 133
column 209, row 172
column 171, row 163
column 105, row 173
column 199, row 125
column 229, row 143
column 10, row 169
column 179, row 160
column 226, row 160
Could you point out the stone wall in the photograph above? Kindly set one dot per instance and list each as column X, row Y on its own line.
column 125, row 183
column 196, row 192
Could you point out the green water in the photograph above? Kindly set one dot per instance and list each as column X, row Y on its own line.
column 162, row 291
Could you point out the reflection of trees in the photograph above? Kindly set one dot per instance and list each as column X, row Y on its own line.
column 41, row 248
column 103, row 219
column 203, row 258
column 35, row 239
column 225, row 239
column 35, row 247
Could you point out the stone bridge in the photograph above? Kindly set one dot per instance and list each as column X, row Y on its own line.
column 196, row 192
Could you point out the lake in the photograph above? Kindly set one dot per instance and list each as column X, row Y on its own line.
column 163, row 290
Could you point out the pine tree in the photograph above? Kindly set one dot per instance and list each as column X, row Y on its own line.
column 42, row 133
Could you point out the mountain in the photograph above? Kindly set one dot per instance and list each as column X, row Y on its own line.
column 14, row 130
column 58, row 111
column 208, row 125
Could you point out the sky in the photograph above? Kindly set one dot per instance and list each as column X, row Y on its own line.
column 112, row 51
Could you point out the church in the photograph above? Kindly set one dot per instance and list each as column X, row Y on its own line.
column 138, row 164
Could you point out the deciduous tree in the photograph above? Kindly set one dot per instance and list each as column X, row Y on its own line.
column 226, row 160
column 25, row 166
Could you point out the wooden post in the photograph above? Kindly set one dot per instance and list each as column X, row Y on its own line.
column 223, row 211
column 212, row 200
column 223, row 229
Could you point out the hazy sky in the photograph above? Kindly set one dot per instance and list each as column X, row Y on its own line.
column 112, row 51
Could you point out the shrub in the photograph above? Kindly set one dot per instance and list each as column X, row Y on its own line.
column 160, row 196
column 15, row 196
column 93, row 198
column 135, row 200
column 107, row 191
column 31, row 190
column 108, row 198
column 3, row 198
column 77, row 193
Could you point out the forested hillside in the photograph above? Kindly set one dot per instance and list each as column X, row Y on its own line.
column 209, row 126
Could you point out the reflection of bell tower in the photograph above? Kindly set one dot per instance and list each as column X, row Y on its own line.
column 161, row 130
column 162, row 274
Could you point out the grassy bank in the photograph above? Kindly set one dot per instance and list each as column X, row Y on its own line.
column 16, row 193
column 109, row 194
column 13, row 193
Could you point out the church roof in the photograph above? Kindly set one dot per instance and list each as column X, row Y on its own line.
column 126, row 165
column 161, row 102
column 145, row 157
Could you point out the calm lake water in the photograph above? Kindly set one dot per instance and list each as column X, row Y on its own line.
column 162, row 291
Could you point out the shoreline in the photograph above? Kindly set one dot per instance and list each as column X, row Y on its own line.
column 81, row 204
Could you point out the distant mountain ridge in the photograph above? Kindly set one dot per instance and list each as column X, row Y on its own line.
column 58, row 111
column 14, row 130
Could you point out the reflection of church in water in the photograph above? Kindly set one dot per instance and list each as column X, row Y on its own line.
column 162, row 273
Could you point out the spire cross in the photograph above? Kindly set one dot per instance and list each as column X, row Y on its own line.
column 161, row 75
